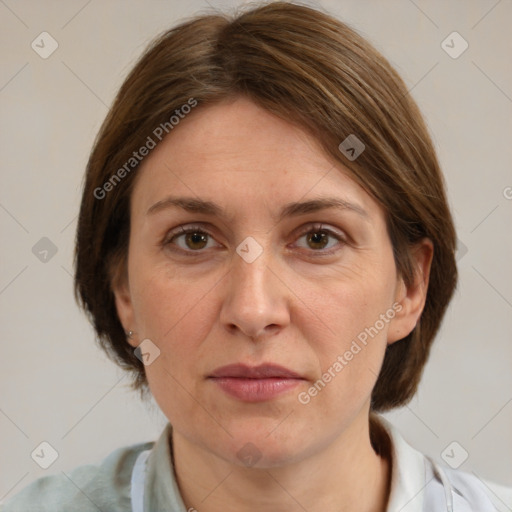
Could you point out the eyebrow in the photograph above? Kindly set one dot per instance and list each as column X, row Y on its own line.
column 194, row 205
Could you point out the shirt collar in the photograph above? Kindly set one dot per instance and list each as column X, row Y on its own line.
column 408, row 475
column 161, row 490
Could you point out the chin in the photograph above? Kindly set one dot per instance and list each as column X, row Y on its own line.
column 261, row 448
column 263, row 454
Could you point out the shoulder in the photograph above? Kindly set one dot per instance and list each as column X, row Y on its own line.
column 468, row 492
column 420, row 484
column 92, row 487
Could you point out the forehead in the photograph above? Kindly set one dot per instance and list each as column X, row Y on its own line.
column 236, row 150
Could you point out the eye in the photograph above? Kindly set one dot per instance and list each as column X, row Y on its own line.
column 319, row 239
column 191, row 239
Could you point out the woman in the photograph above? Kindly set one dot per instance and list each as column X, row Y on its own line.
column 265, row 243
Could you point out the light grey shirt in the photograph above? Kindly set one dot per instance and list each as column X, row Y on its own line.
column 118, row 484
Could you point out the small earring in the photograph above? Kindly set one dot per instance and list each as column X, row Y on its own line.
column 130, row 334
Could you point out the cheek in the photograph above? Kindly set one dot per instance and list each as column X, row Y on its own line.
column 347, row 321
column 346, row 302
column 168, row 305
column 176, row 314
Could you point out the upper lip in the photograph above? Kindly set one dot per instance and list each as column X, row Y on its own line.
column 262, row 371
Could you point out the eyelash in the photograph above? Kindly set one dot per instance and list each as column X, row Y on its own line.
column 315, row 228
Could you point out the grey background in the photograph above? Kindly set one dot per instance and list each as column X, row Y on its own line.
column 57, row 386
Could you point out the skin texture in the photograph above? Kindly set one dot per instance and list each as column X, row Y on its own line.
column 299, row 305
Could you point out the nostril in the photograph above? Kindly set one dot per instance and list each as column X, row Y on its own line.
column 272, row 328
column 269, row 330
column 232, row 327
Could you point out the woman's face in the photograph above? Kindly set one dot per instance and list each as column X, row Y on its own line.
column 250, row 247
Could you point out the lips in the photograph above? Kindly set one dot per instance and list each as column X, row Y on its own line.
column 264, row 371
column 255, row 383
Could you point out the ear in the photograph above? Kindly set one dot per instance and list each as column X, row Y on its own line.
column 124, row 307
column 412, row 298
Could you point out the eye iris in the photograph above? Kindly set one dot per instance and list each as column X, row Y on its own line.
column 196, row 240
column 318, row 240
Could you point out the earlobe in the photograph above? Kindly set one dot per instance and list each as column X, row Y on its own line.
column 412, row 298
column 124, row 309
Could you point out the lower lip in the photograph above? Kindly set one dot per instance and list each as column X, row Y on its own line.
column 256, row 390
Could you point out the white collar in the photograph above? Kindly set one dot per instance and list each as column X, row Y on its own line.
column 408, row 473
column 417, row 483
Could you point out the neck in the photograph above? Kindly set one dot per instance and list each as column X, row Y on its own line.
column 347, row 476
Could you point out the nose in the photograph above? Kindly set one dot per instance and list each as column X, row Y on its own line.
column 256, row 303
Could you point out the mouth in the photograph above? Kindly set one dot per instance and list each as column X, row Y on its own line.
column 255, row 383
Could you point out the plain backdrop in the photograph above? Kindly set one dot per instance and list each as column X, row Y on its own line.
column 58, row 387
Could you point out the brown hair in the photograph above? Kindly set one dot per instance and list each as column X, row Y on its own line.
column 310, row 69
